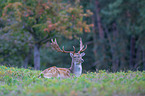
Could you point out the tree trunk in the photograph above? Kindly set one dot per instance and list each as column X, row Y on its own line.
column 27, row 58
column 143, row 59
column 132, row 52
column 115, row 58
column 94, row 38
column 100, row 43
column 113, row 47
column 138, row 59
column 123, row 50
column 25, row 63
column 94, row 21
column 37, row 56
column 122, row 59
column 101, row 32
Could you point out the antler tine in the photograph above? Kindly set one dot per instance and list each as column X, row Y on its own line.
column 74, row 49
column 84, row 49
column 55, row 45
column 57, row 48
column 82, row 46
column 68, row 51
column 65, row 51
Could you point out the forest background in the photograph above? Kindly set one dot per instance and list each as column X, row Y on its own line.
column 114, row 31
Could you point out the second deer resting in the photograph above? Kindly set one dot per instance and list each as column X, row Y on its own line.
column 76, row 64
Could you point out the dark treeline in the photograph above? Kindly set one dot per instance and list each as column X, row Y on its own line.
column 113, row 30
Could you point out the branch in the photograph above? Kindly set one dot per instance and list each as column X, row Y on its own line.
column 89, row 43
column 44, row 39
column 47, row 38
column 30, row 30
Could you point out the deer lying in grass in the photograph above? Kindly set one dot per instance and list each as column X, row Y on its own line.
column 76, row 64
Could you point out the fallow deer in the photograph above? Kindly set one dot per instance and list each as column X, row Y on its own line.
column 76, row 64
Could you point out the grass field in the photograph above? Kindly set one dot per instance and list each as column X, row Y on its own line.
column 24, row 82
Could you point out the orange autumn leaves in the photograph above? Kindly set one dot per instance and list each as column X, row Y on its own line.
column 62, row 18
column 73, row 21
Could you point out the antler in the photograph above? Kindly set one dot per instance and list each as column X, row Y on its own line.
column 82, row 46
column 56, row 47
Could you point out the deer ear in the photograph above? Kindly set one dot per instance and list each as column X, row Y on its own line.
column 82, row 54
column 71, row 54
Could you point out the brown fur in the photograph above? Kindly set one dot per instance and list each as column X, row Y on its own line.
column 56, row 72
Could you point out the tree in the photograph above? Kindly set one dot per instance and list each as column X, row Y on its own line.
column 44, row 19
column 120, row 24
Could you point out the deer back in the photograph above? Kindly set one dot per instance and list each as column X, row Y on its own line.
column 56, row 72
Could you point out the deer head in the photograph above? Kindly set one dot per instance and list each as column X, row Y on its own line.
column 77, row 57
column 77, row 60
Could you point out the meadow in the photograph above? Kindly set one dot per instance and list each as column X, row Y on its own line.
column 25, row 82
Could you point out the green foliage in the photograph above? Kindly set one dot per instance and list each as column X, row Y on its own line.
column 24, row 23
column 14, row 47
column 24, row 82
column 120, row 22
column 47, row 16
column 35, row 22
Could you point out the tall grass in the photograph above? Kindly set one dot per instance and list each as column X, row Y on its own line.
column 25, row 82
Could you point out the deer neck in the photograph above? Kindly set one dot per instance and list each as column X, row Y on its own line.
column 76, row 68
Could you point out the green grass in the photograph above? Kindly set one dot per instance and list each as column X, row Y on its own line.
column 24, row 82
